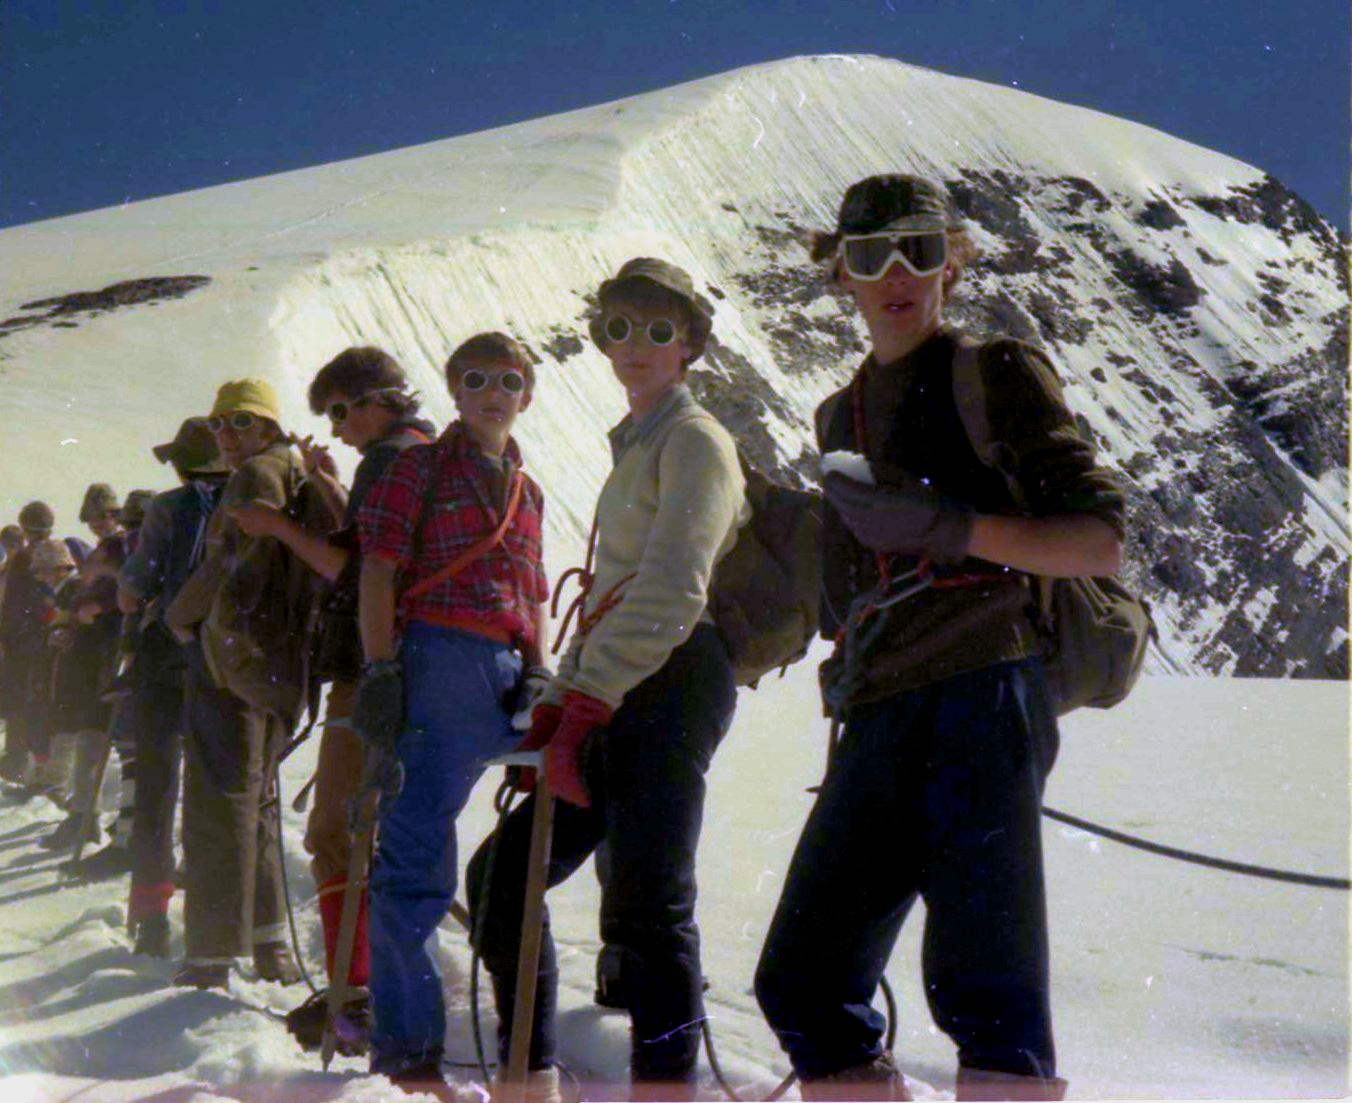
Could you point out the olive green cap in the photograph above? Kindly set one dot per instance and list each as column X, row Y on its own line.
column 37, row 517
column 99, row 499
column 670, row 277
column 134, row 508
column 892, row 202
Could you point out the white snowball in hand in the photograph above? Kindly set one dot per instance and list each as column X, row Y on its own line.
column 850, row 464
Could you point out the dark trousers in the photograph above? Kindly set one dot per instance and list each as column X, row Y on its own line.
column 645, row 776
column 231, row 822
column 937, row 794
column 24, row 719
column 155, row 713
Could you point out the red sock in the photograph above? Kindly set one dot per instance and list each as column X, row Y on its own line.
column 331, row 915
column 147, row 900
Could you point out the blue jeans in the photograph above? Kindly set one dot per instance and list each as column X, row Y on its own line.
column 456, row 686
column 935, row 794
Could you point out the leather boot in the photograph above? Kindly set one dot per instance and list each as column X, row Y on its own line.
column 980, row 1085
column 200, row 975
column 878, row 1079
column 152, row 936
column 273, row 961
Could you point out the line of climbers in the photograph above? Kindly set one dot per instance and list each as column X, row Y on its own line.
column 206, row 616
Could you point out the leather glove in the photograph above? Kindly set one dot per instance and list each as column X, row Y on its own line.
column 583, row 717
column 527, row 692
column 544, row 722
column 903, row 516
column 378, row 711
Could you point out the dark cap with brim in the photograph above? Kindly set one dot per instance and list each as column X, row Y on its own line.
column 193, row 449
column 892, row 202
column 664, row 274
column 671, row 278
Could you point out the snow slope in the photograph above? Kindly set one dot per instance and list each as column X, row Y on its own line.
column 1197, row 309
column 1170, row 980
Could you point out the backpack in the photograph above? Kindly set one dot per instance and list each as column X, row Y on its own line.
column 336, row 654
column 764, row 593
column 258, row 632
column 1095, row 630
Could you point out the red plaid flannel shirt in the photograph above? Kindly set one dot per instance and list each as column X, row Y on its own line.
column 501, row 588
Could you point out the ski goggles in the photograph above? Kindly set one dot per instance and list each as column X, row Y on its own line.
column 509, row 382
column 337, row 411
column 661, row 331
column 241, row 421
column 868, row 256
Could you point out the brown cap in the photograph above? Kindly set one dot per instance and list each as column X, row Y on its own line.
column 194, row 449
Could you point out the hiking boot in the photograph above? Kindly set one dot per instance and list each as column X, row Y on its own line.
column 424, row 1076
column 306, row 1022
column 152, row 937
column 273, row 961
column 204, row 976
column 542, row 1086
column 878, row 1079
column 111, row 861
column 63, row 835
column 981, row 1085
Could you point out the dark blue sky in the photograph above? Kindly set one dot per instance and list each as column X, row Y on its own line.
column 105, row 101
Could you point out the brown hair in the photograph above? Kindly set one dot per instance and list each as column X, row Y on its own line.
column 962, row 251
column 651, row 297
column 358, row 371
column 489, row 348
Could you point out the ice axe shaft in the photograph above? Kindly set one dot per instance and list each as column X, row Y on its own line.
column 368, row 801
column 513, row 1087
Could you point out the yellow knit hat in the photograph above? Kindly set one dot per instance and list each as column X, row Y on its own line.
column 254, row 396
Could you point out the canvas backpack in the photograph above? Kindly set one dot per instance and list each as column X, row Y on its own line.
column 1096, row 630
column 765, row 592
column 259, row 629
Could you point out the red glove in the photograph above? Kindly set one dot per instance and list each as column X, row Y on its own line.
column 544, row 719
column 582, row 715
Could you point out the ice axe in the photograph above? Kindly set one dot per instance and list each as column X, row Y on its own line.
column 365, row 806
column 513, row 1087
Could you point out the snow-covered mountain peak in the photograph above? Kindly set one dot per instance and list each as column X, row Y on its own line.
column 1197, row 309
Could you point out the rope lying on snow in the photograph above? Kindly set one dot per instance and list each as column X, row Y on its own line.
column 1199, row 859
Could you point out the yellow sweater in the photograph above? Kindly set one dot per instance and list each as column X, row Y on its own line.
column 667, row 514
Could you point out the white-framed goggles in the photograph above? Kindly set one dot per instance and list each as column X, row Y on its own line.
column 868, row 256
column 661, row 331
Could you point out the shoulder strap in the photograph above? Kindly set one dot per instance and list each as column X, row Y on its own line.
column 476, row 551
column 969, row 395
